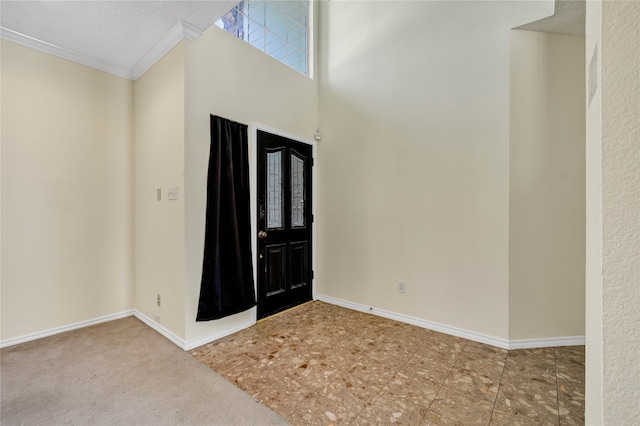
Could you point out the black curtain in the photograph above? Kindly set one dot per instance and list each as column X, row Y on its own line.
column 227, row 272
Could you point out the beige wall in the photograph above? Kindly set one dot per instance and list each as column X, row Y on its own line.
column 613, row 221
column 67, row 252
column 159, row 163
column 547, row 186
column 229, row 78
column 414, row 109
column 593, row 279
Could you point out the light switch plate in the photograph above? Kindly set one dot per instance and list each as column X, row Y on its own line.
column 172, row 193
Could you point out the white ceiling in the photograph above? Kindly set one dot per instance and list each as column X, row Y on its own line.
column 126, row 37
column 111, row 35
column 568, row 18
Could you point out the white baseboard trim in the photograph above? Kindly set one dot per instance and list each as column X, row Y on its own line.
column 187, row 346
column 550, row 342
column 454, row 331
column 160, row 329
column 184, row 345
column 219, row 335
column 458, row 332
column 57, row 330
column 181, row 343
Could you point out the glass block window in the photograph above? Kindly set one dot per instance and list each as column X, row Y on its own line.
column 277, row 27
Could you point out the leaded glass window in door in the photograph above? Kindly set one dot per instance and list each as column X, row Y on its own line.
column 297, row 191
column 275, row 199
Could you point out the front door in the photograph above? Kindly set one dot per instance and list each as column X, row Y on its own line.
column 284, row 223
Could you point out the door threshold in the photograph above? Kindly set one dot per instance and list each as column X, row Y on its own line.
column 285, row 311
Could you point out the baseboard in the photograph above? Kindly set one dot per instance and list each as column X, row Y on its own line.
column 550, row 342
column 188, row 345
column 57, row 330
column 160, row 329
column 181, row 343
column 458, row 332
column 454, row 331
column 219, row 335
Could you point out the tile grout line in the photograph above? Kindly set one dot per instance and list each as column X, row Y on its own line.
column 555, row 365
column 317, row 393
column 495, row 401
column 394, row 375
column 444, row 381
column 345, row 372
column 413, row 353
column 381, row 388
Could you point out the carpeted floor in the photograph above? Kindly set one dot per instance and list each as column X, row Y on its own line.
column 118, row 373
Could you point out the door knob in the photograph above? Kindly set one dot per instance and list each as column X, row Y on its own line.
column 262, row 234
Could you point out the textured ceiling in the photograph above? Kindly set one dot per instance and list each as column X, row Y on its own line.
column 568, row 18
column 114, row 32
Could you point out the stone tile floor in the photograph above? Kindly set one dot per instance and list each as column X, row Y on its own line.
column 320, row 364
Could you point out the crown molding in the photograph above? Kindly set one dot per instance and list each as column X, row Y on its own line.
column 63, row 53
column 180, row 31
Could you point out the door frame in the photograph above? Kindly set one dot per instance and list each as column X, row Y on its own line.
column 253, row 184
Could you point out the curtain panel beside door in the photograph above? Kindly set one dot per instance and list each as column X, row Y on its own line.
column 227, row 285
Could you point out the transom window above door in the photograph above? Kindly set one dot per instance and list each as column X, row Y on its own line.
column 276, row 27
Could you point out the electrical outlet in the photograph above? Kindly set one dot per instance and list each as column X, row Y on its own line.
column 158, row 300
column 402, row 286
column 157, row 318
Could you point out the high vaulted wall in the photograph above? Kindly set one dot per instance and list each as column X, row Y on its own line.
column 414, row 109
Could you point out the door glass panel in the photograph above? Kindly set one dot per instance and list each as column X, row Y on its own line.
column 297, row 191
column 274, row 190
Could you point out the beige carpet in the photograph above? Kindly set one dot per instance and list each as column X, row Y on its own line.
column 118, row 373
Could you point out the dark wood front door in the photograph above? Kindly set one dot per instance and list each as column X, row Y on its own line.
column 284, row 223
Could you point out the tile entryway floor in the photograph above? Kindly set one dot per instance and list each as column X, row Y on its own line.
column 320, row 364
